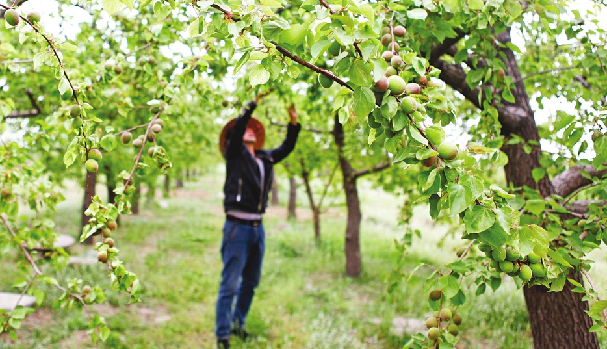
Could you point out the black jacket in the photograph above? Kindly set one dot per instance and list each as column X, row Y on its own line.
column 242, row 189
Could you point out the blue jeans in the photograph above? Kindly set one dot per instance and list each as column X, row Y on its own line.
column 242, row 252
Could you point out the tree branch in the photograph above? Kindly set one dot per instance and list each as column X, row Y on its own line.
column 324, row 3
column 568, row 181
column 314, row 130
column 373, row 169
column 547, row 71
column 582, row 206
column 587, row 85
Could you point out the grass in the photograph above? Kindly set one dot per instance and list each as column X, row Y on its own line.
column 304, row 300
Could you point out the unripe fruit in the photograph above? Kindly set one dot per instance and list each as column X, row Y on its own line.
column 385, row 30
column 395, row 45
column 12, row 17
column 396, row 61
column 436, row 135
column 5, row 192
column 106, row 232
column 102, row 256
column 448, row 151
column 507, row 267
column 396, row 84
column 408, row 105
column 436, row 314
column 155, row 109
column 126, row 137
column 151, row 60
column 433, row 333
column 485, row 248
column 86, row 289
column 445, row 314
column 596, row 134
column 512, row 255
column 390, row 71
column 111, row 224
column 399, row 30
column 494, row 264
column 423, row 80
column 156, row 128
column 460, row 251
column 67, row 95
column 118, row 69
column 110, row 242
column 431, row 322
column 151, row 151
column 163, row 84
column 159, row 121
column 95, row 154
column 91, row 165
column 382, row 84
column 142, row 60
column 453, row 329
column 413, row 88
column 137, row 142
column 150, row 137
column 533, row 258
column 428, row 163
column 538, row 270
column 436, row 295
column 387, row 55
column 334, row 48
column 75, row 110
column 324, row 81
column 457, row 319
column 386, row 39
column 499, row 254
column 525, row 273
column 33, row 17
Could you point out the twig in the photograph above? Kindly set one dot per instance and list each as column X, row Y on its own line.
column 572, row 195
column 311, row 66
column 392, row 33
column 467, row 249
column 324, row 3
column 227, row 14
column 27, row 255
column 546, row 71
column 139, row 49
column 358, row 49
column 18, row 61
column 130, row 129
column 29, row 284
column 593, row 286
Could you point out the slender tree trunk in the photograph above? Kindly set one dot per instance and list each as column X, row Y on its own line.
column 557, row 319
column 136, row 196
column 274, row 190
column 187, row 174
column 150, row 195
column 315, row 210
column 111, row 185
column 90, row 183
column 292, row 214
column 179, row 180
column 352, row 244
column 167, row 186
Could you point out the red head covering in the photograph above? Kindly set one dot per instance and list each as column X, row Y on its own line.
column 254, row 124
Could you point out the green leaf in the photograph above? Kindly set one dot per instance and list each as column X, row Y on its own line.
column 538, row 173
column 64, row 85
column 434, row 205
column 452, row 287
column 419, row 65
column 72, row 152
column 367, row 11
column 535, row 206
column 533, row 239
column 379, row 68
column 111, row 6
column 258, row 75
column 501, row 192
column 108, row 142
column 557, row 258
column 475, row 4
column 458, row 299
column 478, row 219
column 417, row 13
column 558, row 284
column 414, row 132
column 320, row 46
column 360, row 73
column 128, row 3
column 364, row 101
column 598, row 307
column 389, row 107
column 295, row 35
column 195, row 29
column 495, row 236
column 460, row 198
column 39, row 294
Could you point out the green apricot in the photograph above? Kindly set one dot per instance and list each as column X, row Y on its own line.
column 408, row 105
column 91, row 165
column 453, row 329
column 33, row 17
column 159, row 121
column 445, row 314
column 95, row 154
column 494, row 264
column 499, row 254
column 506, row 266
column 538, row 270
column 413, row 88
column 381, row 85
column 457, row 319
column 75, row 110
column 399, row 30
column 151, row 151
column 387, row 55
column 137, row 142
column 334, row 48
column 385, row 30
column 12, row 17
column 436, row 314
column 126, row 137
column 428, row 163
column 525, row 273
column 111, row 224
column 431, row 322
column 533, row 258
column 512, row 255
column 396, row 85
column 448, row 151
column 67, row 95
column 102, row 256
column 436, row 295
column 325, row 81
column 436, row 135
column 395, row 45
column 396, row 61
column 390, row 71
column 156, row 128
column 386, row 39
column 483, row 247
column 433, row 333
column 5, row 192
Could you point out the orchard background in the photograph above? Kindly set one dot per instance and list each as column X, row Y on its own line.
column 488, row 117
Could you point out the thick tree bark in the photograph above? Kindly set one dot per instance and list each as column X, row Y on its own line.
column 90, row 183
column 352, row 243
column 557, row 319
column 291, row 212
column 111, row 185
column 275, row 201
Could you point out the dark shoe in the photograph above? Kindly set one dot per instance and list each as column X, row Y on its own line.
column 241, row 333
column 223, row 343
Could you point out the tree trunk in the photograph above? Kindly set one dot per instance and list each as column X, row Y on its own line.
column 292, row 214
column 315, row 210
column 150, row 195
column 179, row 180
column 167, row 186
column 274, row 190
column 136, row 196
column 90, row 183
column 557, row 319
column 187, row 174
column 111, row 185
column 352, row 244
